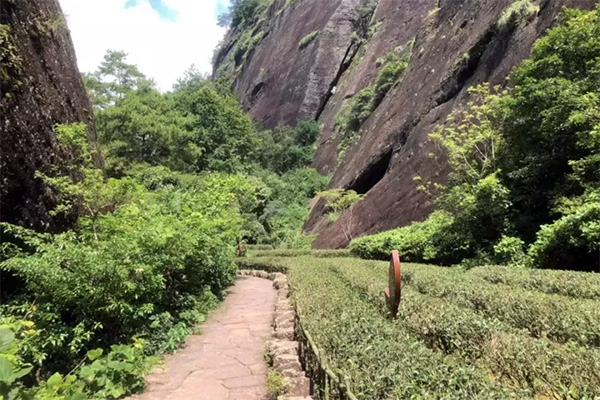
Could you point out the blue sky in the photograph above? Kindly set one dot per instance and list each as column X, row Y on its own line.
column 222, row 7
column 159, row 6
column 162, row 37
column 169, row 14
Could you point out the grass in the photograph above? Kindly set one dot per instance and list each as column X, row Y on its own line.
column 482, row 333
column 277, row 385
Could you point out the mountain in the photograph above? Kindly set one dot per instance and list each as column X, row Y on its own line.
column 40, row 86
column 379, row 76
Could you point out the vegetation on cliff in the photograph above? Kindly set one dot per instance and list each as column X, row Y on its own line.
column 525, row 183
column 359, row 108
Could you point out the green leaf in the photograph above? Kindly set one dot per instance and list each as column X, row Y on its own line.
column 6, row 370
column 7, row 337
column 22, row 372
column 117, row 392
column 54, row 381
column 94, row 354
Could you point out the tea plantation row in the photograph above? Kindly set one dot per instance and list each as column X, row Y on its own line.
column 484, row 333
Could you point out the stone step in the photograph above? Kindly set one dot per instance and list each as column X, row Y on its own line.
column 300, row 387
column 287, row 361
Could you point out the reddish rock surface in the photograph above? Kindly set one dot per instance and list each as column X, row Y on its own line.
column 283, row 84
column 457, row 45
column 226, row 360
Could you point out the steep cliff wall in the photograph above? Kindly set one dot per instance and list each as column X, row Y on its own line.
column 454, row 44
column 278, row 80
column 40, row 86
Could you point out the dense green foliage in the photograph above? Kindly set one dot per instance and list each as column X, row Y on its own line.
column 197, row 128
column 86, row 312
column 141, row 267
column 509, row 341
column 189, row 175
column 298, row 253
column 337, row 201
column 525, row 186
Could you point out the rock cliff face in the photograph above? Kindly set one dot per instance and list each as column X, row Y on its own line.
column 455, row 44
column 40, row 86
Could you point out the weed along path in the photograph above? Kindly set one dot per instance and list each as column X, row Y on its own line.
column 226, row 360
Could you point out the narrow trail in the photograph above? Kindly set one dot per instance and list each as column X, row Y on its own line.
column 226, row 360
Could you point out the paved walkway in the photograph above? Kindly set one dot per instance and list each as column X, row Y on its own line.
column 226, row 361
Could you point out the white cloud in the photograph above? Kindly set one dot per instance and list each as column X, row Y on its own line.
column 162, row 49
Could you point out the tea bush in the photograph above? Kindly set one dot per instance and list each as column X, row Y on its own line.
column 579, row 286
column 466, row 333
column 430, row 241
column 515, row 356
column 302, row 252
column 381, row 359
column 578, row 319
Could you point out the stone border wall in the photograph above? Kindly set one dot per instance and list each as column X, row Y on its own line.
column 283, row 349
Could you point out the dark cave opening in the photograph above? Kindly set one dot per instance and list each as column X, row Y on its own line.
column 373, row 174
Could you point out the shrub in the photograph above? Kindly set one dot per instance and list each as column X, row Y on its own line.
column 566, row 283
column 12, row 369
column 509, row 251
column 354, row 337
column 481, row 334
column 144, row 269
column 351, row 117
column 431, row 240
column 517, row 12
column 573, row 241
column 308, row 39
column 260, row 247
column 120, row 372
column 578, row 321
column 338, row 201
column 297, row 253
column 394, row 65
column 245, row 45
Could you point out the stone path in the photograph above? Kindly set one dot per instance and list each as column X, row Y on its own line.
column 226, row 361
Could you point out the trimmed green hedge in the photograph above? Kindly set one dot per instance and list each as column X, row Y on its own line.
column 532, row 343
